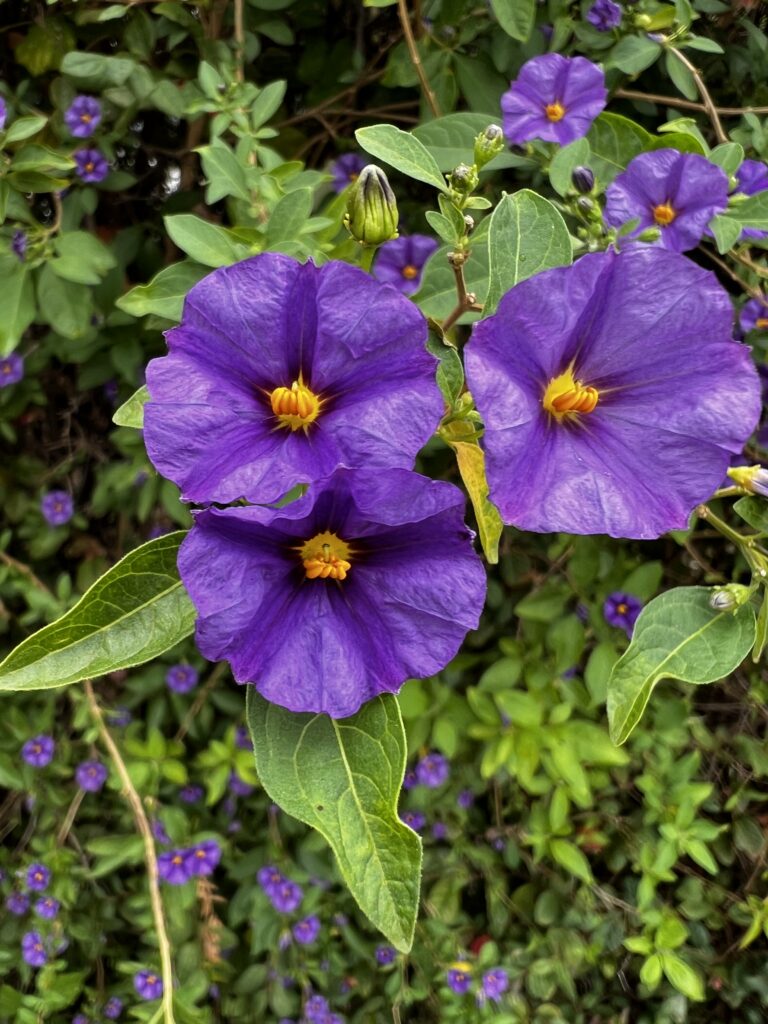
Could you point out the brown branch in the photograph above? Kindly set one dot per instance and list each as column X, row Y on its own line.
column 466, row 300
column 709, row 106
column 24, row 570
column 753, row 292
column 674, row 101
column 196, row 706
column 239, row 40
column 413, row 51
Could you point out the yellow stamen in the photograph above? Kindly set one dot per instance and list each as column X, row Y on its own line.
column 151, row 979
column 325, row 556
column 410, row 272
column 86, row 118
column 663, row 214
column 296, row 406
column 554, row 111
column 89, row 166
column 621, row 608
column 762, row 323
column 565, row 395
column 177, row 859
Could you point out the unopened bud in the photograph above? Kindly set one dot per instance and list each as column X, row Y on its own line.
column 642, row 21
column 729, row 597
column 583, row 180
column 469, row 224
column 751, row 478
column 585, row 204
column 488, row 144
column 463, row 179
column 371, row 216
column 649, row 235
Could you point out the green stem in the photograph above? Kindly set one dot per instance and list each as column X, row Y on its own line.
column 745, row 544
column 366, row 257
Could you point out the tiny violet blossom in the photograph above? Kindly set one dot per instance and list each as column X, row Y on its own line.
column 33, row 949
column 91, row 776
column 307, row 930
column 433, row 770
column 439, row 831
column 191, row 794
column 554, row 98
column 269, row 877
column 414, row 819
column 80, row 1018
column 410, row 779
column 113, row 1008
column 622, row 610
column 400, row 261
column 148, row 984
column 83, row 116
column 754, row 315
column 459, row 977
column 465, row 799
column 47, row 907
column 204, row 857
column 19, row 244
column 17, row 903
column 677, row 193
column 316, row 1009
column 495, row 983
column 11, row 370
column 286, row 896
column 604, row 15
column 38, row 751
column 38, row 877
column 159, row 832
column 91, row 165
column 243, row 738
column 239, row 786
column 346, row 170
column 173, row 867
column 181, row 678
column 57, row 508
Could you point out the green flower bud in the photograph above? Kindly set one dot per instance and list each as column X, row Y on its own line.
column 463, row 179
column 649, row 235
column 488, row 144
column 469, row 224
column 371, row 216
column 751, row 478
column 729, row 597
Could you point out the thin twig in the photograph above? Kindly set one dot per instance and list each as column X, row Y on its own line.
column 466, row 300
column 23, row 570
column 709, row 105
column 674, row 101
column 413, row 50
column 239, row 40
column 150, row 854
column 74, row 807
column 200, row 699
column 753, row 292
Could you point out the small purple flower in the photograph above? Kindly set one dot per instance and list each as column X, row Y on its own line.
column 286, row 896
column 19, row 244
column 385, row 955
column 604, row 15
column 432, row 770
column 159, row 831
column 554, row 98
column 148, row 984
column 622, row 610
column 316, row 1009
column 459, row 978
column 82, row 117
column 754, row 316
column 306, row 931
column 439, row 831
column 204, row 857
column 91, row 776
column 173, row 867
column 269, row 877
column 113, row 1008
column 11, row 370
column 181, row 678
column 410, row 780
column 47, row 907
column 465, row 799
column 38, row 877
column 91, row 165
column 678, row 193
column 400, row 261
column 33, row 950
column 495, row 983
column 243, row 738
column 17, row 903
column 80, row 1018
column 345, row 170
column 191, row 794
column 3, row 113
column 414, row 819
column 57, row 507
column 239, row 786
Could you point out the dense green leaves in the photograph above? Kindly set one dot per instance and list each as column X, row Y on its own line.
column 678, row 636
column 137, row 610
column 403, row 151
column 343, row 777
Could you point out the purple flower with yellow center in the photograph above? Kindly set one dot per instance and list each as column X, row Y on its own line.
column 285, row 896
column 33, row 949
column 191, row 794
column 181, row 678
column 204, row 857
column 320, row 583
column 678, row 193
column 459, row 977
column 91, row 776
column 272, row 381
column 173, row 867
column 269, row 877
column 113, row 1008
column 316, row 1009
column 400, row 261
column 554, row 98
column 752, row 177
column 82, row 117
column 385, row 955
column 38, row 877
column 91, row 165
column 433, row 770
column 11, row 370
column 754, row 315
column 345, row 170
column 57, row 507
column 47, row 907
column 604, row 15
column 17, row 903
column 306, row 931
column 414, row 819
column 621, row 610
column 148, row 984
column 495, row 983
column 19, row 244
column 613, row 388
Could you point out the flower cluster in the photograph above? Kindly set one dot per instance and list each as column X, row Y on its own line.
column 284, row 895
column 177, row 866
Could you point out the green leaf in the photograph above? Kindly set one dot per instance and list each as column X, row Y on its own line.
column 65, row 306
column 570, row 857
column 81, row 258
column 451, row 141
column 650, row 972
column 683, row 977
column 516, row 17
column 402, row 151
column 527, row 234
column 97, row 71
column 753, row 211
column 131, row 413
column 560, row 170
column 209, row 244
column 17, row 303
column 41, row 49
column 470, row 458
column 343, row 777
column 726, row 231
column 164, row 295
column 761, row 634
column 680, row 75
column 450, row 372
column 24, row 127
column 225, row 173
column 135, row 612
column 677, row 636
column 267, row 103
column 437, row 293
column 728, row 155
column 634, row 54
column 613, row 141
column 289, row 216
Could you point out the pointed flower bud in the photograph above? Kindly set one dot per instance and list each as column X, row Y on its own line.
column 488, row 144
column 371, row 216
column 463, row 179
column 751, row 478
column 649, row 235
column 729, row 597
column 583, row 179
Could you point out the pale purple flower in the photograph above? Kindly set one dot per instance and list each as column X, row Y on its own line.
column 433, row 770
column 400, row 262
column 410, row 780
column 286, row 896
column 173, row 867
column 604, row 15
column 191, row 794
column 317, row 1010
column 148, row 984
column 465, row 799
column 47, row 907
column 159, row 832
column 269, row 877
column 385, row 955
column 622, row 610
column 345, row 170
column 204, row 857
column 459, row 978
column 553, row 98
column 414, row 819
column 181, row 678
column 57, row 507
column 17, row 903
column 439, row 831
column 91, row 165
column 33, row 950
column 38, row 877
column 239, row 786
column 113, row 1008
column 11, row 370
column 82, row 117
column 306, row 931
column 19, row 244
column 91, row 775
column 3, row 113
column 495, row 983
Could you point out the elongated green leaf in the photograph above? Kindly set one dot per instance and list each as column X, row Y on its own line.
column 470, row 459
column 165, row 293
column 613, row 141
column 137, row 610
column 527, row 235
column 131, row 413
column 678, row 636
column 451, row 139
column 753, row 212
column 17, row 303
column 206, row 243
column 516, row 17
column 343, row 777
column 403, row 151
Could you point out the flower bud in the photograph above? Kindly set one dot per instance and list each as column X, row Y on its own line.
column 488, row 144
column 751, row 478
column 463, row 179
column 583, row 179
column 371, row 216
column 649, row 235
column 729, row 597
column 469, row 224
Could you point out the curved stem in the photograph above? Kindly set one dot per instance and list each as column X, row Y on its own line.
column 709, row 106
column 413, row 51
column 674, row 101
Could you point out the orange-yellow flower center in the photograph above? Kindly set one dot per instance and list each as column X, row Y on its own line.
column 565, row 395
column 554, row 111
column 410, row 272
column 663, row 214
column 151, row 979
column 762, row 323
column 325, row 557
column 90, row 166
column 296, row 406
column 622, row 609
column 86, row 118
column 176, row 859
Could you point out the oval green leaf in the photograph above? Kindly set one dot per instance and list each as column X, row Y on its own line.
column 402, row 151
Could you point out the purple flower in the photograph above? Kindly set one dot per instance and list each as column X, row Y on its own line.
column 17, row 903
column 113, row 1008
column 181, row 678
column 345, row 170
column 752, row 177
column 439, row 831
column 495, row 983
column 459, row 978
column 47, row 907
column 465, row 799
column 385, row 955
column 239, row 786
column 554, row 98
column 11, row 370
column 400, row 261
column 33, row 950
column 286, row 896
column 159, row 832
column 80, row 1018
column 307, row 930
column 243, row 738
column 173, row 867
column 622, row 610
column 148, row 984
column 272, row 381
column 83, row 116
column 678, row 193
column 320, row 582
column 91, row 165
column 754, row 316
column 316, row 1009
column 38, row 877
column 19, row 244
column 3, row 113
column 414, row 819
column 204, row 857
column 410, row 780
column 614, row 389
column 57, row 507
column 433, row 770
column 91, row 776
column 191, row 794
column 269, row 877
column 604, row 15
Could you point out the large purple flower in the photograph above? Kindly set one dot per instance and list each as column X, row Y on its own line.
column 281, row 372
column 82, row 117
column 612, row 393
column 554, row 98
column 366, row 581
column 401, row 261
column 679, row 193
